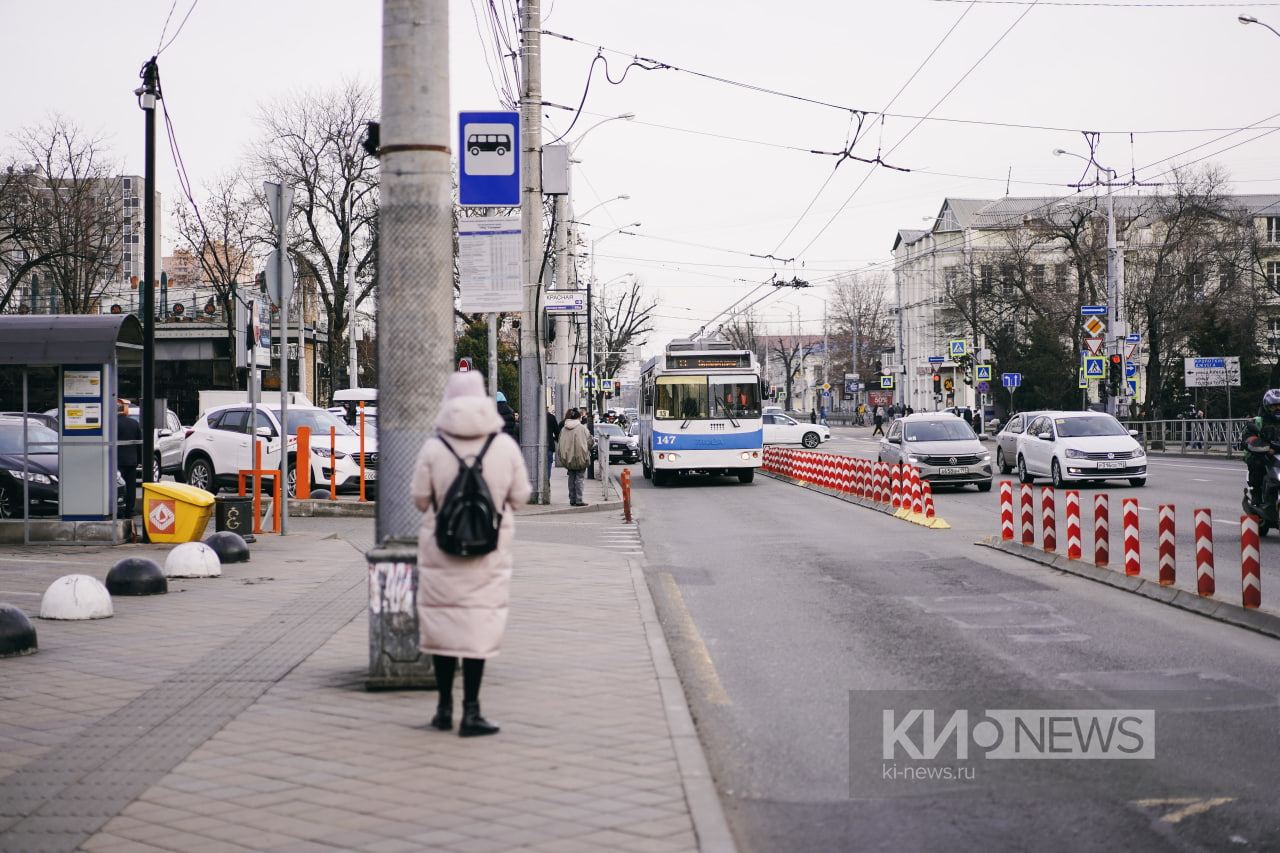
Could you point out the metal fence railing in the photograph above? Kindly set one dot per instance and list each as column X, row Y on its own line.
column 1218, row 436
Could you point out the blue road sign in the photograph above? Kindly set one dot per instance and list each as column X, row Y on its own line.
column 936, row 359
column 982, row 373
column 1132, row 385
column 489, row 168
column 1130, row 369
column 1011, row 380
column 1094, row 367
column 1093, row 309
column 852, row 386
column 958, row 348
column 1133, row 339
column 886, row 381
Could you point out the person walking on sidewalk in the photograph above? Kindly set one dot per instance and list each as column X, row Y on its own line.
column 462, row 601
column 575, row 454
column 127, row 455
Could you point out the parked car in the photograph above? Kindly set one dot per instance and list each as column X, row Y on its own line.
column 943, row 448
column 1074, row 446
column 784, row 429
column 45, row 418
column 38, row 471
column 1007, row 440
column 622, row 446
column 219, row 445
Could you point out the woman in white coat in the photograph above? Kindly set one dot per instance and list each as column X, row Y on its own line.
column 462, row 601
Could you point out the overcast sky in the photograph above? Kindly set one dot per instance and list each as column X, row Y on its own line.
column 730, row 162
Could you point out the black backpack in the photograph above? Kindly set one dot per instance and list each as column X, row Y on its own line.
column 467, row 521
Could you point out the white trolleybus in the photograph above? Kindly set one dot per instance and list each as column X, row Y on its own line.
column 700, row 412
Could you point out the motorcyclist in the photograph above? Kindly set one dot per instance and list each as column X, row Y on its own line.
column 1259, row 433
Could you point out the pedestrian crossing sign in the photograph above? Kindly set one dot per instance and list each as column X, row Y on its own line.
column 982, row 373
column 588, row 383
column 606, row 384
column 886, row 382
column 957, row 348
column 1093, row 367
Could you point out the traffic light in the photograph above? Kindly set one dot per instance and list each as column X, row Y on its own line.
column 1115, row 373
column 937, row 384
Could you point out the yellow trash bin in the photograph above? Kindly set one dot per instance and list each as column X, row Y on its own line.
column 175, row 512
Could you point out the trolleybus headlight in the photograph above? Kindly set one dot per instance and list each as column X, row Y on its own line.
column 749, row 454
column 668, row 456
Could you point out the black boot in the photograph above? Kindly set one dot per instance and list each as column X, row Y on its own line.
column 443, row 720
column 474, row 725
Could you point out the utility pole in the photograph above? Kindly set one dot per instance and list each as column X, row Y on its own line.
column 148, row 93
column 415, row 320
column 532, row 399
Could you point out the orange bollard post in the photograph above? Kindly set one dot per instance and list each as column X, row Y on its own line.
column 333, row 453
column 302, row 484
column 257, row 486
column 626, row 494
column 362, row 497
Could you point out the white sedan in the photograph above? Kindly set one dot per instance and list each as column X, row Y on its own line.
column 782, row 429
column 1073, row 446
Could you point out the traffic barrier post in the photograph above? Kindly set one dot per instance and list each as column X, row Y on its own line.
column 1132, row 545
column 1204, row 552
column 302, row 481
column 1073, row 525
column 362, row 497
column 1167, row 543
column 626, row 495
column 333, row 469
column 928, row 498
column 1101, row 531
column 1028, row 517
column 1048, row 520
column 1250, row 576
column 1006, row 510
column 895, row 486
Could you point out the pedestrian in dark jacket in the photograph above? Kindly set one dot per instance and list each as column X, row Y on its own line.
column 127, row 455
column 509, row 423
column 553, row 435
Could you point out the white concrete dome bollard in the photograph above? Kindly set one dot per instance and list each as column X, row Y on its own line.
column 192, row 560
column 76, row 597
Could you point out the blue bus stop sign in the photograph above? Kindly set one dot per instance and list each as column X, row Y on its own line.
column 489, row 159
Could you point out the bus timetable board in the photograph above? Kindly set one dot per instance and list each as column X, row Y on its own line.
column 707, row 360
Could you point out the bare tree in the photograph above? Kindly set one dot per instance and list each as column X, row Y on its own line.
column 621, row 322
column 863, row 327
column 63, row 215
column 223, row 234
column 312, row 143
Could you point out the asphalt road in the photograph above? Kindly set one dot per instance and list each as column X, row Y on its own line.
column 797, row 620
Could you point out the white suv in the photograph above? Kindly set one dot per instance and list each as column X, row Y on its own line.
column 220, row 445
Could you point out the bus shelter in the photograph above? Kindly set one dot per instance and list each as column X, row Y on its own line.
column 75, row 366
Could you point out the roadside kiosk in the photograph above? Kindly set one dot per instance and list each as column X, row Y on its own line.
column 74, row 363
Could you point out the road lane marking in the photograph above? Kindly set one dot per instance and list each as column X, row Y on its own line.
column 1191, row 806
column 704, row 669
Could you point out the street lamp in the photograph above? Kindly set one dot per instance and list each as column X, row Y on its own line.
column 1250, row 19
column 1116, row 331
column 591, row 359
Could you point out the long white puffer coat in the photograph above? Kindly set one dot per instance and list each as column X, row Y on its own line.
column 462, row 601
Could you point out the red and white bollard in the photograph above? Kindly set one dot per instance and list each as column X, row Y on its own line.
column 1048, row 520
column 1204, row 552
column 1132, row 545
column 1101, row 531
column 1250, row 577
column 1006, row 510
column 895, row 486
column 926, row 492
column 1073, row 525
column 1167, row 543
column 917, row 494
column 877, row 481
column 1028, row 518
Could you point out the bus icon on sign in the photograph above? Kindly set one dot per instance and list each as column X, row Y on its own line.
column 488, row 149
column 498, row 143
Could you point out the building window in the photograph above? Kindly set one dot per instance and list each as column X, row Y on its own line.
column 1273, row 229
column 1037, row 277
column 128, row 182
column 1273, row 275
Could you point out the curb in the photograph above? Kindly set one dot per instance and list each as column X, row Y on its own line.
column 705, row 809
column 935, row 523
column 1222, row 611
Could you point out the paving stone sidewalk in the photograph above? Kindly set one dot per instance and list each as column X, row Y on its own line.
column 230, row 714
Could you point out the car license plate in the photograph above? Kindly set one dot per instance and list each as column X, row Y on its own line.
column 952, row 471
column 1110, row 466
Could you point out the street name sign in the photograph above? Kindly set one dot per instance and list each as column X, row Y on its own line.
column 565, row 301
column 1211, row 372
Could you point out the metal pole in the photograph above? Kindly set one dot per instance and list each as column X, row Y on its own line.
column 353, row 377
column 149, row 94
column 531, row 394
column 282, row 269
